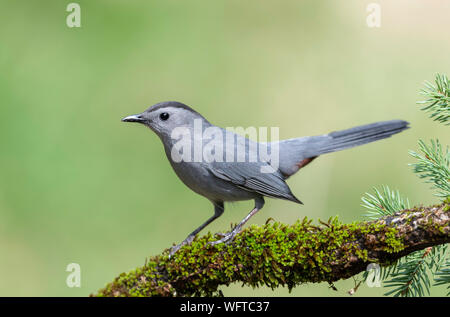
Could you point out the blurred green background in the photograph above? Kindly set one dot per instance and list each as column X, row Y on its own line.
column 77, row 185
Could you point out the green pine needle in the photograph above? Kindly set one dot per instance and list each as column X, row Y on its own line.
column 442, row 275
column 384, row 203
column 411, row 276
column 433, row 165
column 438, row 99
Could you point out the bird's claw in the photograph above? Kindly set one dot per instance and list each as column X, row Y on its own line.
column 175, row 248
column 226, row 238
column 220, row 234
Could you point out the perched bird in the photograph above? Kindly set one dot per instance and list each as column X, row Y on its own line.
column 225, row 166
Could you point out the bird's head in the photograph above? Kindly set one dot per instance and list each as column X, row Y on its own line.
column 163, row 117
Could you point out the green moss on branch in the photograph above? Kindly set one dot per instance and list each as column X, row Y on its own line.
column 285, row 255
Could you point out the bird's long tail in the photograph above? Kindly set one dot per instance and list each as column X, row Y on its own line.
column 340, row 140
column 296, row 153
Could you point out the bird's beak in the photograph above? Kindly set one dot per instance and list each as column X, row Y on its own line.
column 134, row 118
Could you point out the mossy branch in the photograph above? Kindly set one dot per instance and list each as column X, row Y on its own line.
column 286, row 255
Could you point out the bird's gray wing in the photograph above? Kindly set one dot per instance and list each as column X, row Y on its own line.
column 248, row 176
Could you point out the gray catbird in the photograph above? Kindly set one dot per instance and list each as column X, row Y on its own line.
column 232, row 176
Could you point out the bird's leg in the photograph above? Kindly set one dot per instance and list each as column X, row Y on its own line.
column 230, row 235
column 218, row 211
column 259, row 203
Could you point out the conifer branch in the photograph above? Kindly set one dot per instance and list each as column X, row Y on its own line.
column 409, row 276
column 438, row 99
column 442, row 275
column 433, row 165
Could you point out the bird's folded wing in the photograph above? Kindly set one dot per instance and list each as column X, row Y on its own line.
column 248, row 176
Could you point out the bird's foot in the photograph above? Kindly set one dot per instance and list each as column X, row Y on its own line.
column 187, row 241
column 220, row 234
column 228, row 237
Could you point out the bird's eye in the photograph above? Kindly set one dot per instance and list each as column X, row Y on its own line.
column 164, row 116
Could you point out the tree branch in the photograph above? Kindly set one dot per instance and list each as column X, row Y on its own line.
column 281, row 255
